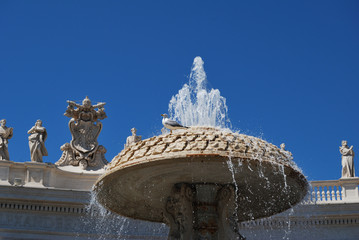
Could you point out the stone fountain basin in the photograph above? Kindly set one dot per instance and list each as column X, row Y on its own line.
column 140, row 178
column 139, row 190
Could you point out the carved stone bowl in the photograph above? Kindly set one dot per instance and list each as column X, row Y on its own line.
column 140, row 178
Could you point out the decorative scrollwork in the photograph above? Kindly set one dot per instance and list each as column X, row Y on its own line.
column 85, row 127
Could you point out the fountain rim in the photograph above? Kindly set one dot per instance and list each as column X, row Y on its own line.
column 302, row 181
column 225, row 153
column 156, row 158
column 119, row 169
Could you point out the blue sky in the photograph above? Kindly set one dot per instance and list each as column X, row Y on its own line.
column 288, row 69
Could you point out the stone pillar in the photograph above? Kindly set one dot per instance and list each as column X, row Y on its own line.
column 34, row 174
column 179, row 212
column 350, row 192
column 5, row 173
column 200, row 211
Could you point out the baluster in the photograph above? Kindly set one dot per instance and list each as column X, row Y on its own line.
column 323, row 194
column 328, row 193
column 313, row 200
column 338, row 194
column 318, row 194
column 333, row 194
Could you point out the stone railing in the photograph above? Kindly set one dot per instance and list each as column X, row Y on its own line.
column 30, row 174
column 46, row 175
column 344, row 190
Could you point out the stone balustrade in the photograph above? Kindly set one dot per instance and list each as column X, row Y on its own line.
column 344, row 190
column 46, row 175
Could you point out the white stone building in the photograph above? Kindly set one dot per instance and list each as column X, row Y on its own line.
column 45, row 201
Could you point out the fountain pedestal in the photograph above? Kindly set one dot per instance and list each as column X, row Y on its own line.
column 199, row 211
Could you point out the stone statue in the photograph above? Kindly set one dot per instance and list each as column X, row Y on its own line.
column 286, row 153
column 85, row 127
column 85, row 112
column 347, row 160
column 132, row 139
column 5, row 134
column 37, row 139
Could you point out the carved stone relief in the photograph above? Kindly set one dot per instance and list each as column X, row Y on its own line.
column 85, row 127
column 179, row 213
column 193, row 209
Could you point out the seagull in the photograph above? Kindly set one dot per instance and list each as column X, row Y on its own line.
column 170, row 124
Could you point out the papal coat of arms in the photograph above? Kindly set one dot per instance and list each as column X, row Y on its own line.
column 85, row 127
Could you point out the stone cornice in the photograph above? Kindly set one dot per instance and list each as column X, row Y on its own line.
column 41, row 207
column 44, row 195
column 299, row 222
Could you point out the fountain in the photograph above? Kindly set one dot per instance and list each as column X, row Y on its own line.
column 204, row 180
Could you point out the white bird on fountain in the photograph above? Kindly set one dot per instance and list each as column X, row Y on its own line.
column 171, row 124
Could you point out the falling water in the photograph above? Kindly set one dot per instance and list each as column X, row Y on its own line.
column 195, row 105
column 236, row 189
column 102, row 224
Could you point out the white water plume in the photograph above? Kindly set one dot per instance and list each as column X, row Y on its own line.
column 99, row 223
column 195, row 105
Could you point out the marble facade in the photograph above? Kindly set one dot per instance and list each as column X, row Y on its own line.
column 45, row 201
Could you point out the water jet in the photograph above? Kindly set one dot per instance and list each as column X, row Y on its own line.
column 204, row 180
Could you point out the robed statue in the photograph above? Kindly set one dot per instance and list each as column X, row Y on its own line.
column 5, row 134
column 133, row 138
column 347, row 160
column 37, row 139
column 85, row 127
